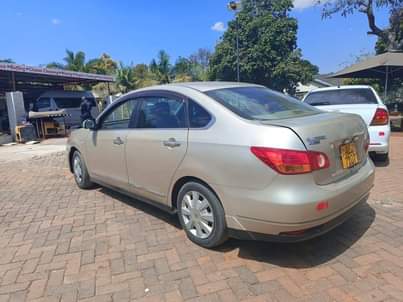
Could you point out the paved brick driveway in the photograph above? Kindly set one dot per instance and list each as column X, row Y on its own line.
column 58, row 243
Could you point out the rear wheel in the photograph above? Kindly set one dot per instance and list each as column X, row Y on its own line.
column 201, row 215
column 80, row 171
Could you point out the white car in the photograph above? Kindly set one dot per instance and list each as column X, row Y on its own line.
column 362, row 100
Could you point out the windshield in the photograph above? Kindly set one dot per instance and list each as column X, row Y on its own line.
column 341, row 97
column 259, row 103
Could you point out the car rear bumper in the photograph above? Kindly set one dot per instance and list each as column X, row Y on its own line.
column 304, row 234
column 292, row 206
column 379, row 139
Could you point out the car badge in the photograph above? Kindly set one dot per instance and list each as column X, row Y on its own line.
column 315, row 140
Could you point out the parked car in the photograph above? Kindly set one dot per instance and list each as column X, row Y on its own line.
column 361, row 100
column 230, row 159
column 70, row 101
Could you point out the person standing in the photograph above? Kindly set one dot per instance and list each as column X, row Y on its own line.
column 86, row 107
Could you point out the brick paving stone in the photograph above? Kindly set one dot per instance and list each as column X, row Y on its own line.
column 59, row 243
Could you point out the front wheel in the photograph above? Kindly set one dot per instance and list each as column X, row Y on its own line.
column 201, row 215
column 80, row 171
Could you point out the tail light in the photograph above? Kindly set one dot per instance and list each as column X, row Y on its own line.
column 291, row 161
column 381, row 117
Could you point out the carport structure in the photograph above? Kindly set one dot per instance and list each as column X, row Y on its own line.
column 385, row 66
column 32, row 81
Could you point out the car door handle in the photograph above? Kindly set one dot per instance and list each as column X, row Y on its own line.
column 118, row 141
column 171, row 143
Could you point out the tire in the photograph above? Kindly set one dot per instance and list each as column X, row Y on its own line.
column 201, row 215
column 382, row 157
column 80, row 171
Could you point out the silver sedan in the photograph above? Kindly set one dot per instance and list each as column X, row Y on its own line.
column 231, row 159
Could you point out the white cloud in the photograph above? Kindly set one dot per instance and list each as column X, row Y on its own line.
column 56, row 21
column 301, row 4
column 218, row 26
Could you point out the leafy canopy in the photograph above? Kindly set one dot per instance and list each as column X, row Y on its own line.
column 267, row 46
column 389, row 38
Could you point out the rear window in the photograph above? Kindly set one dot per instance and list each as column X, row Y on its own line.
column 259, row 103
column 64, row 103
column 341, row 97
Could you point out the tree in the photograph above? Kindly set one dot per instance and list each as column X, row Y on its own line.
column 143, row 77
column 395, row 24
column 184, row 70
column 182, row 66
column 268, row 47
column 77, row 62
column 125, row 78
column 201, row 57
column 161, row 68
column 201, row 61
column 391, row 37
column 102, row 65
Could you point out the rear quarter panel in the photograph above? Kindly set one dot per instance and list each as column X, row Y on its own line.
column 220, row 155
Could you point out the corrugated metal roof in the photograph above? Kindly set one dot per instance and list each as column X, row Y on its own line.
column 55, row 75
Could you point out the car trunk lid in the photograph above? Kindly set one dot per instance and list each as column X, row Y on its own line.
column 366, row 111
column 327, row 133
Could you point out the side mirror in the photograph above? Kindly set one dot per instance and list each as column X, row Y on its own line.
column 89, row 124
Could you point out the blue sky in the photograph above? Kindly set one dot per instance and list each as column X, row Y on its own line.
column 38, row 31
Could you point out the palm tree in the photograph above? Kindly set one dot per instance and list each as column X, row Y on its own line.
column 75, row 61
column 125, row 77
column 162, row 68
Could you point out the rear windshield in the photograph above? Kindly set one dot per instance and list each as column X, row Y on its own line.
column 258, row 103
column 64, row 103
column 341, row 97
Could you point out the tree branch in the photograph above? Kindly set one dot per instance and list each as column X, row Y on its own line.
column 375, row 30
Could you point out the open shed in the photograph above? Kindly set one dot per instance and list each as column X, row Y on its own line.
column 33, row 81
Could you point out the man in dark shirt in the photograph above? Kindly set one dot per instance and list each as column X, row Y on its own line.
column 86, row 106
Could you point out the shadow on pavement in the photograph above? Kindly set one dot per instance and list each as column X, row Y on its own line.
column 309, row 253
column 293, row 255
column 144, row 207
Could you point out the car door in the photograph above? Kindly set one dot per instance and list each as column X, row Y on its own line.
column 157, row 146
column 106, row 147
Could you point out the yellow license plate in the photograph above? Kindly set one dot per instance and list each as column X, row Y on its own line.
column 349, row 155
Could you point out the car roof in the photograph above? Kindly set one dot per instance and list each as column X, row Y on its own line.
column 342, row 87
column 202, row 86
